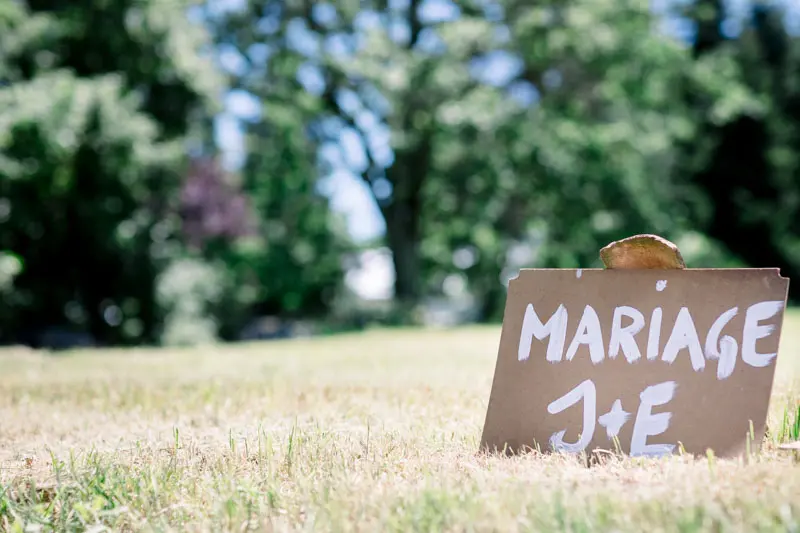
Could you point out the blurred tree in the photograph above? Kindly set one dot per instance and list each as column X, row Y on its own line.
column 83, row 177
column 378, row 74
column 609, row 94
column 742, row 162
column 412, row 69
column 586, row 158
column 293, row 265
column 153, row 44
column 213, row 210
column 291, row 262
column 98, row 99
column 478, row 173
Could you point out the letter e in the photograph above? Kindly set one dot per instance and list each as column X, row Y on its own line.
column 753, row 331
column 648, row 424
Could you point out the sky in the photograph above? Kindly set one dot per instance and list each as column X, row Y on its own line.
column 349, row 194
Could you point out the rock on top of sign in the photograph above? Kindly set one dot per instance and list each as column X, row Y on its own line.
column 642, row 252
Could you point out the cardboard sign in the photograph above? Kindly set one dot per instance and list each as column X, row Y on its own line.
column 640, row 361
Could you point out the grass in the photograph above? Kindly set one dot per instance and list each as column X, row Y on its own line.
column 371, row 432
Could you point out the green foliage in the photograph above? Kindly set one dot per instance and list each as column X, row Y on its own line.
column 740, row 165
column 605, row 124
column 97, row 102
column 549, row 184
column 291, row 262
column 789, row 428
column 190, row 292
column 296, row 256
column 602, row 126
column 83, row 175
column 474, row 183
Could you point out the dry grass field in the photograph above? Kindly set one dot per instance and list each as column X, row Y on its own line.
column 367, row 432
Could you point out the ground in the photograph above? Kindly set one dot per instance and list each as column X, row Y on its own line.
column 367, row 432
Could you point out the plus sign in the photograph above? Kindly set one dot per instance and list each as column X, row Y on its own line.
column 614, row 419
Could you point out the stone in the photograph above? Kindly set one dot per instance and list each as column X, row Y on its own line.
column 642, row 252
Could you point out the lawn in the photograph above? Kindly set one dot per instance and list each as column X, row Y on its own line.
column 368, row 432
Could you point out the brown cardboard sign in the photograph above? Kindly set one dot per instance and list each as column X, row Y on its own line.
column 643, row 361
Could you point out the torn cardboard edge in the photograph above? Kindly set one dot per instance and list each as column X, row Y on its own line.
column 643, row 361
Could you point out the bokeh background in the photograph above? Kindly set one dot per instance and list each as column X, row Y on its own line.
column 177, row 172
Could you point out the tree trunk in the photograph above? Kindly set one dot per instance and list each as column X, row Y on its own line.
column 403, row 215
column 402, row 232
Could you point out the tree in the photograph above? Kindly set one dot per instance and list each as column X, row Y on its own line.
column 292, row 261
column 574, row 147
column 385, row 84
column 583, row 157
column 742, row 162
column 84, row 175
column 98, row 99
column 459, row 164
